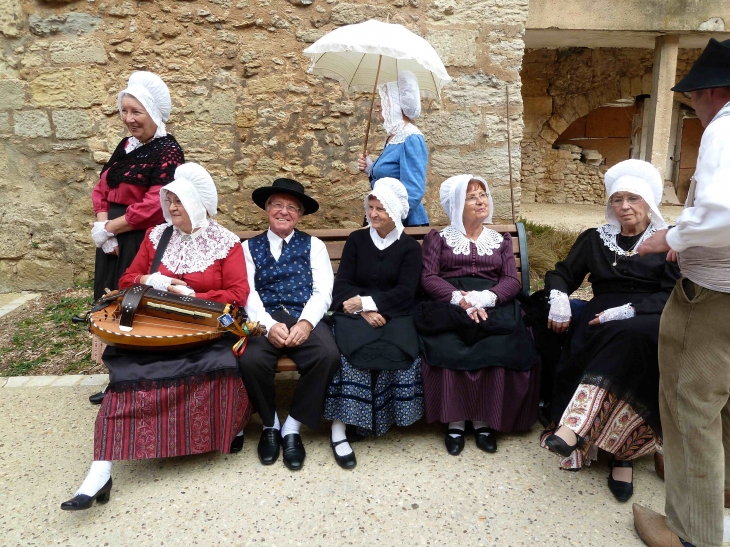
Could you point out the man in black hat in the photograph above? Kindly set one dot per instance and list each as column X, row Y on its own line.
column 291, row 280
column 694, row 336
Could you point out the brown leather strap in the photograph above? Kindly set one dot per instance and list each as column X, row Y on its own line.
column 132, row 297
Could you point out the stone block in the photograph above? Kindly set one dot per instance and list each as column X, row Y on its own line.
column 125, row 9
column 95, row 380
column 12, row 94
column 226, row 185
column 68, row 381
column 44, row 275
column 72, row 124
column 558, row 124
column 309, row 36
column 348, row 14
column 456, row 47
column 11, row 18
column 486, row 162
column 71, row 23
column 269, row 84
column 14, row 240
column 451, row 129
column 222, row 108
column 40, row 381
column 78, row 52
column 17, row 381
column 32, row 123
column 101, row 157
column 247, row 118
column 68, row 88
column 256, row 181
column 4, row 123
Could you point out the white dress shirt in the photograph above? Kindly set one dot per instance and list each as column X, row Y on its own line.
column 322, row 281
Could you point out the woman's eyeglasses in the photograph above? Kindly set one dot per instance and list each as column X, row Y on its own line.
column 175, row 202
column 619, row 200
column 471, row 200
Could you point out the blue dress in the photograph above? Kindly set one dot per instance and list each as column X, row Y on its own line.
column 405, row 158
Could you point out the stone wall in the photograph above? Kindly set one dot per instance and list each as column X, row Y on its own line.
column 558, row 87
column 243, row 106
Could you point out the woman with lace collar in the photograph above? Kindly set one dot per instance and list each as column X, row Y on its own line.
column 405, row 156
column 126, row 199
column 607, row 378
column 161, row 405
column 378, row 383
column 489, row 377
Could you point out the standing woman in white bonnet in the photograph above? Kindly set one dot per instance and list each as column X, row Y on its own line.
column 126, row 199
column 607, row 378
column 379, row 380
column 179, row 402
column 405, row 156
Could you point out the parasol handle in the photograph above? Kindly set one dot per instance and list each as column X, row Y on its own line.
column 372, row 103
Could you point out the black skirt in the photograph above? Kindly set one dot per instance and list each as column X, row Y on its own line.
column 619, row 356
column 514, row 350
column 109, row 268
column 394, row 346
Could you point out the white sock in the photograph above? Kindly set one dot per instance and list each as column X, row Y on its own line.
column 457, row 425
column 276, row 425
column 96, row 478
column 478, row 425
column 338, row 434
column 240, row 433
column 290, row 426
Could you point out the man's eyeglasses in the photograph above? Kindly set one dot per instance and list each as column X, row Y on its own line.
column 280, row 207
column 687, row 95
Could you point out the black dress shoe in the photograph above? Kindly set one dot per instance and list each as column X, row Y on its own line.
column 559, row 446
column 82, row 501
column 269, row 445
column 454, row 445
column 348, row 461
column 97, row 398
column 352, row 435
column 486, row 442
column 621, row 490
column 293, row 451
column 237, row 444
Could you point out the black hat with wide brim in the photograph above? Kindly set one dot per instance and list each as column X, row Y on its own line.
column 711, row 69
column 285, row 186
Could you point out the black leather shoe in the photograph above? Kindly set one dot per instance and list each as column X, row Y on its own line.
column 486, row 442
column 293, row 451
column 454, row 445
column 237, row 444
column 269, row 445
column 621, row 490
column 97, row 398
column 559, row 446
column 82, row 501
column 352, row 435
column 347, row 461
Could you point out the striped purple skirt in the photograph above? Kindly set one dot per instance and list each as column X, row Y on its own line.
column 505, row 399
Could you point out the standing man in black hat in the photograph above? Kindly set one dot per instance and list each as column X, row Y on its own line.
column 291, row 291
column 694, row 336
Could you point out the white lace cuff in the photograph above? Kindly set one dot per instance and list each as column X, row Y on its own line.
column 456, row 297
column 159, row 281
column 481, row 299
column 110, row 244
column 368, row 304
column 617, row 314
column 559, row 307
column 99, row 233
column 186, row 291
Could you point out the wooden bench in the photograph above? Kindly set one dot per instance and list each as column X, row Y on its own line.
column 334, row 240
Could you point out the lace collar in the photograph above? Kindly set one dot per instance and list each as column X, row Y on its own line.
column 401, row 136
column 487, row 241
column 609, row 233
column 196, row 252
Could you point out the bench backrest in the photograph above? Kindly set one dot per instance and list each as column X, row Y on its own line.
column 335, row 239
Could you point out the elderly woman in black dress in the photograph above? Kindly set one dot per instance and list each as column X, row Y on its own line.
column 607, row 379
column 379, row 381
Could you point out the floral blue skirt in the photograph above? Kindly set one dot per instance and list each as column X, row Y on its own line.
column 373, row 400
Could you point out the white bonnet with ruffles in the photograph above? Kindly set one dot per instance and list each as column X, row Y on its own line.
column 453, row 198
column 149, row 89
column 394, row 197
column 398, row 98
column 196, row 190
column 637, row 177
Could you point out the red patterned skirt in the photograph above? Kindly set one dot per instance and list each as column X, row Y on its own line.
column 190, row 415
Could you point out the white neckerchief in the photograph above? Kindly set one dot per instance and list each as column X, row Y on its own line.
column 276, row 243
column 609, row 233
column 383, row 243
column 487, row 241
column 195, row 252
column 133, row 143
column 401, row 136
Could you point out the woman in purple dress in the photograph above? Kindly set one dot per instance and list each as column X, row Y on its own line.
column 486, row 370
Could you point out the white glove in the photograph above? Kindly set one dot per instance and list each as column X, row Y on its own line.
column 617, row 314
column 110, row 244
column 559, row 307
column 481, row 299
column 184, row 290
column 368, row 166
column 99, row 233
column 456, row 297
column 159, row 281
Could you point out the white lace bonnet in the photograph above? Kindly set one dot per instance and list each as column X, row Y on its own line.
column 637, row 177
column 398, row 98
column 152, row 92
column 394, row 197
column 196, row 190
column 453, row 199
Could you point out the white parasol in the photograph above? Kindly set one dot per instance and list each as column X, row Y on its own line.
column 364, row 55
